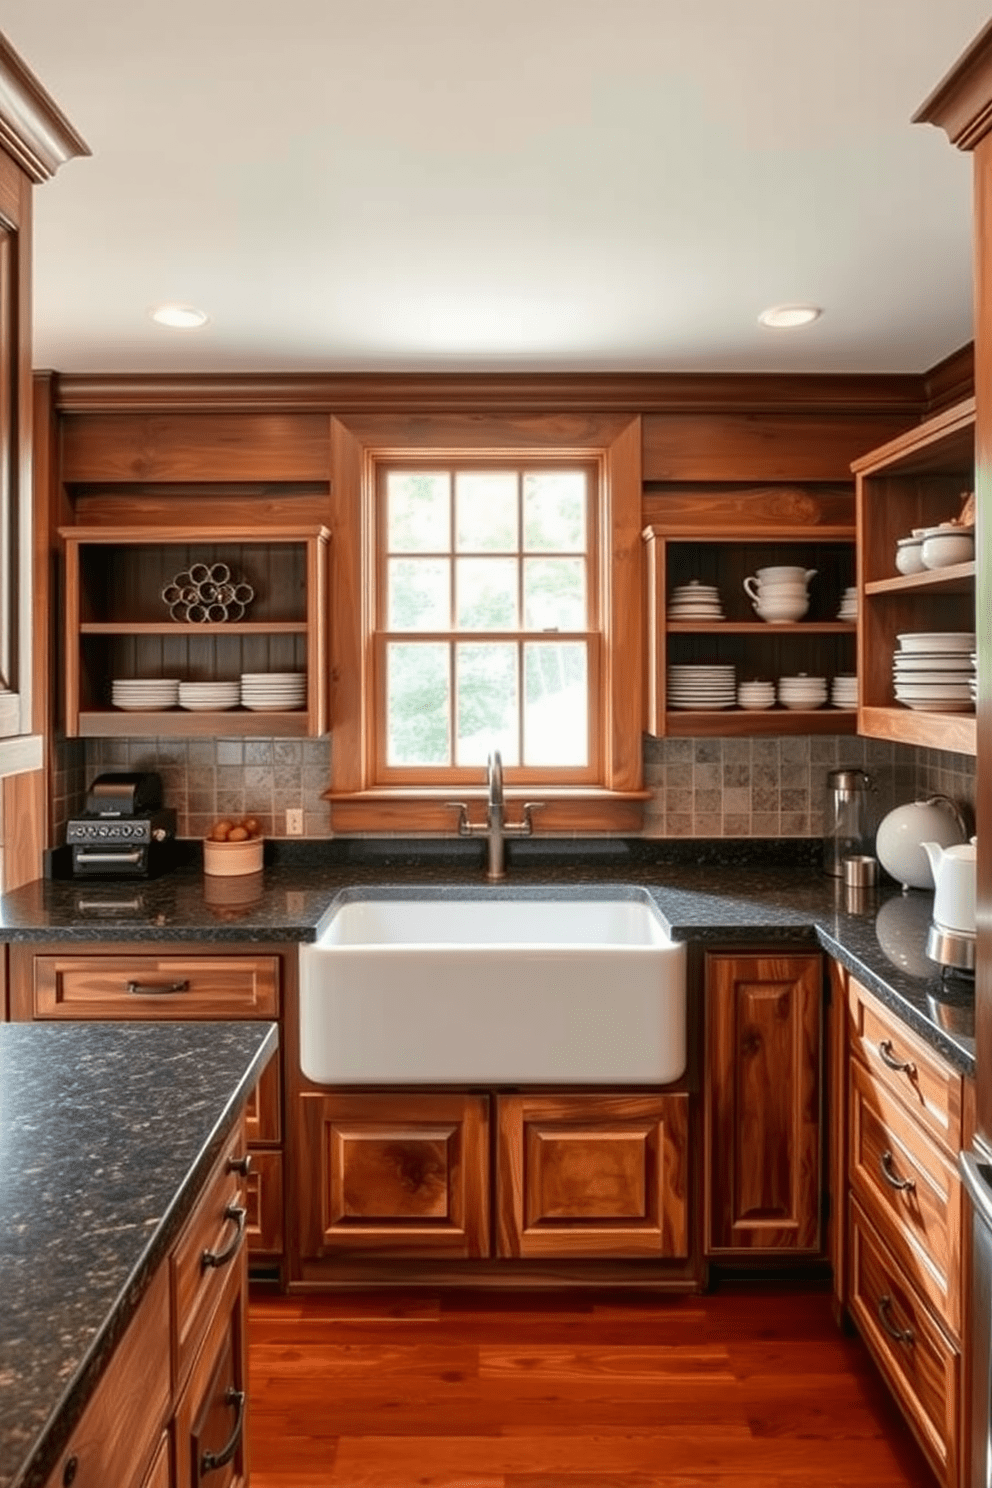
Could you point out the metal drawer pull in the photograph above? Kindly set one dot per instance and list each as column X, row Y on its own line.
column 240, row 1165
column 885, row 1163
column 210, row 1461
column 221, row 1257
column 901, row 1335
column 157, row 989
column 904, row 1066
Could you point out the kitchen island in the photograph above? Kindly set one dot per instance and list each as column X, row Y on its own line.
column 108, row 1135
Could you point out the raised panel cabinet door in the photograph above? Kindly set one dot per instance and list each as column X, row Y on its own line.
column 263, row 1200
column 762, row 1103
column 394, row 1174
column 140, row 986
column 593, row 1175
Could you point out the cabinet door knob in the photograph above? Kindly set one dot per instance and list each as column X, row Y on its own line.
column 221, row 1257
column 240, row 1165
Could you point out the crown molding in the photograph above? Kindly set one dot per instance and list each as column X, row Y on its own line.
column 961, row 103
column 629, row 393
column 33, row 130
column 950, row 381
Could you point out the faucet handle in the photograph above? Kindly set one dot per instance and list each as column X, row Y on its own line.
column 529, row 807
column 464, row 827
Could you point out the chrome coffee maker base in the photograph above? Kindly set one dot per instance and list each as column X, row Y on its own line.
column 948, row 948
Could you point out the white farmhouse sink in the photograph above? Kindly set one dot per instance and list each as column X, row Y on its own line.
column 498, row 991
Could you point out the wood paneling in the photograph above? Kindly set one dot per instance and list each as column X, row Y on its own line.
column 727, row 446
column 793, row 511
column 393, row 1174
column 593, row 1175
column 188, row 446
column 762, row 1145
column 24, row 809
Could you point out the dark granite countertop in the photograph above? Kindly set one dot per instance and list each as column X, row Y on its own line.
column 107, row 1133
column 735, row 892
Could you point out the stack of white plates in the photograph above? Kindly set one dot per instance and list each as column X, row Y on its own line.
column 273, row 692
column 802, row 692
column 695, row 601
column 844, row 692
column 849, row 604
column 144, row 694
column 701, row 687
column 756, row 696
column 973, row 679
column 209, row 697
column 933, row 671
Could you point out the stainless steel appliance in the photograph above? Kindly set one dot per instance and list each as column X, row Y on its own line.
column 125, row 831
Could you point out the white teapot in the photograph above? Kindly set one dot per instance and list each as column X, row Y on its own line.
column 954, row 873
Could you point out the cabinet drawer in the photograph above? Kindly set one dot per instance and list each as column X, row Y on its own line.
column 209, row 1248
column 263, row 1198
column 593, row 1175
column 120, row 1427
column 904, row 1064
column 922, row 1367
column 211, row 1438
column 910, row 1190
column 263, row 1109
column 143, row 986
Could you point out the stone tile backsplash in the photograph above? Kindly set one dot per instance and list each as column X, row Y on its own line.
column 762, row 787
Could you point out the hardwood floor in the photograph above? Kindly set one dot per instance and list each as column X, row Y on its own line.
column 747, row 1387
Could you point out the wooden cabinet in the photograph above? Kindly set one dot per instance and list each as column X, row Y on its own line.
column 169, row 1410
column 762, row 1104
column 914, row 481
column 906, row 1221
column 119, row 626
column 134, row 983
column 701, row 539
column 593, row 1175
column 393, row 1175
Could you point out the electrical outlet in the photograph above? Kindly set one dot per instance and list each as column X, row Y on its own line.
column 294, row 822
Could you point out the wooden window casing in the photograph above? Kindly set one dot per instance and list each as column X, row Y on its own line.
column 607, row 795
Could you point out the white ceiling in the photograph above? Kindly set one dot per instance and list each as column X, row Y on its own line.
column 585, row 185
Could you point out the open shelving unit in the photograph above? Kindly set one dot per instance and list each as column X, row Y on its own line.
column 118, row 626
column 914, row 481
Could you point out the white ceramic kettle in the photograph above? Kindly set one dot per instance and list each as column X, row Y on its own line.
column 954, row 873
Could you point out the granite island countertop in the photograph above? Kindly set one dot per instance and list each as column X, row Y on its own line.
column 107, row 1134
column 727, row 893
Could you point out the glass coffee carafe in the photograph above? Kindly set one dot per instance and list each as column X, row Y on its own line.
column 847, row 819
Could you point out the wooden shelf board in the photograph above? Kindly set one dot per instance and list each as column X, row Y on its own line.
column 761, row 627
column 954, row 731
column 737, row 722
column 183, row 724
column 175, row 627
column 168, row 537
column 731, row 536
column 957, row 578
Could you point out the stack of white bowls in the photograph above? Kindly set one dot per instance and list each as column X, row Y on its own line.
column 802, row 692
column 695, row 601
column 209, row 697
column 701, row 687
column 144, row 694
column 933, row 671
column 273, row 692
column 779, row 595
column 756, row 696
column 849, row 604
column 844, row 691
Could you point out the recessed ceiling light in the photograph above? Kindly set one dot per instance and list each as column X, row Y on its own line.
column 179, row 317
column 786, row 317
